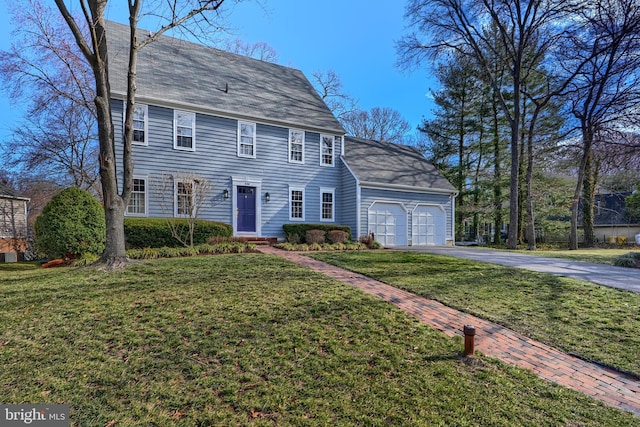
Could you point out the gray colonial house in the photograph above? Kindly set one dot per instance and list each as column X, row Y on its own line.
column 269, row 147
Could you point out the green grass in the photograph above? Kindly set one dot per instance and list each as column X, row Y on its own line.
column 251, row 340
column 593, row 321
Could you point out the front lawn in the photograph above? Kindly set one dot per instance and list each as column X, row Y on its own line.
column 251, row 339
column 590, row 320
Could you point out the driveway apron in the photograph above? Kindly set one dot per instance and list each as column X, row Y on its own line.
column 609, row 386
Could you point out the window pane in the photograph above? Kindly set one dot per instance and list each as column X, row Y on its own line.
column 139, row 118
column 185, row 119
column 327, row 150
column 296, row 146
column 184, row 198
column 137, row 201
column 296, row 204
column 246, row 129
column 327, row 205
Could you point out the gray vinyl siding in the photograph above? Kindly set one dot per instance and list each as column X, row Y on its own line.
column 216, row 160
column 409, row 199
column 348, row 201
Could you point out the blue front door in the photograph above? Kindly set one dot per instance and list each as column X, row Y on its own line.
column 246, row 197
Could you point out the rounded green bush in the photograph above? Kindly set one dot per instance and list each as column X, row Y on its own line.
column 71, row 223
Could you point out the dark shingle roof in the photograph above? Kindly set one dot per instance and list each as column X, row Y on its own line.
column 189, row 74
column 392, row 164
column 8, row 192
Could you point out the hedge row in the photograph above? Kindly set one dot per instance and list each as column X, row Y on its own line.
column 156, row 233
column 296, row 233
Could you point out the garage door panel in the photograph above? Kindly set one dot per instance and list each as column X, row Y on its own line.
column 388, row 222
column 429, row 226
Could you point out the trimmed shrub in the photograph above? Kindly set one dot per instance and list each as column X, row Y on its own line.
column 156, row 233
column 297, row 233
column 315, row 236
column 337, row 236
column 71, row 223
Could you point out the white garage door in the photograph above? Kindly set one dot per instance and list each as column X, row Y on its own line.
column 388, row 222
column 429, row 226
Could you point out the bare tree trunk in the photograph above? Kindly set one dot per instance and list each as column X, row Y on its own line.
column 531, row 228
column 588, row 199
column 587, row 141
column 514, row 194
column 497, row 176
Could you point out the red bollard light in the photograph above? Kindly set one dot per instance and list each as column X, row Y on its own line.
column 469, row 339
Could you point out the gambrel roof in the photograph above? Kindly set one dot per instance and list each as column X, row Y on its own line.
column 187, row 75
column 384, row 164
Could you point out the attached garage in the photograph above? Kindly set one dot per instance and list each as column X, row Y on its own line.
column 404, row 200
column 388, row 223
column 429, row 225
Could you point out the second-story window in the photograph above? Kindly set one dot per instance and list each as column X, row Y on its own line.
column 296, row 146
column 184, row 130
column 326, row 150
column 246, row 139
column 140, row 112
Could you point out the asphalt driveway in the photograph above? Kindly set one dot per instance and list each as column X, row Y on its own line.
column 615, row 277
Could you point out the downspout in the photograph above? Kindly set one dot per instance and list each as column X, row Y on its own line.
column 452, row 237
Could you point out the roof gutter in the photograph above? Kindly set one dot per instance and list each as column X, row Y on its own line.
column 410, row 188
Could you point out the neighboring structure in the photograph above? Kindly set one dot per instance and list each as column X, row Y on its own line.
column 611, row 223
column 13, row 223
column 270, row 148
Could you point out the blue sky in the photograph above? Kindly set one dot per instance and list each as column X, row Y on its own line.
column 355, row 38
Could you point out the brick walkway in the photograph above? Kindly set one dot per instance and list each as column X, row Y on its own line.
column 609, row 386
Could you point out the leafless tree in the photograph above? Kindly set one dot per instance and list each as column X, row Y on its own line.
column 380, row 124
column 522, row 27
column 58, row 136
column 329, row 87
column 258, row 50
column 605, row 96
column 182, row 195
column 91, row 36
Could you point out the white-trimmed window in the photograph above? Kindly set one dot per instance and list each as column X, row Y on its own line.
column 326, row 150
column 296, row 203
column 296, row 146
column 138, row 202
column 327, row 204
column 140, row 119
column 246, row 139
column 184, row 130
column 183, row 198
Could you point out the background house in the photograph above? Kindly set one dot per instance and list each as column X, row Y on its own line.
column 269, row 147
column 13, row 223
column 610, row 218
